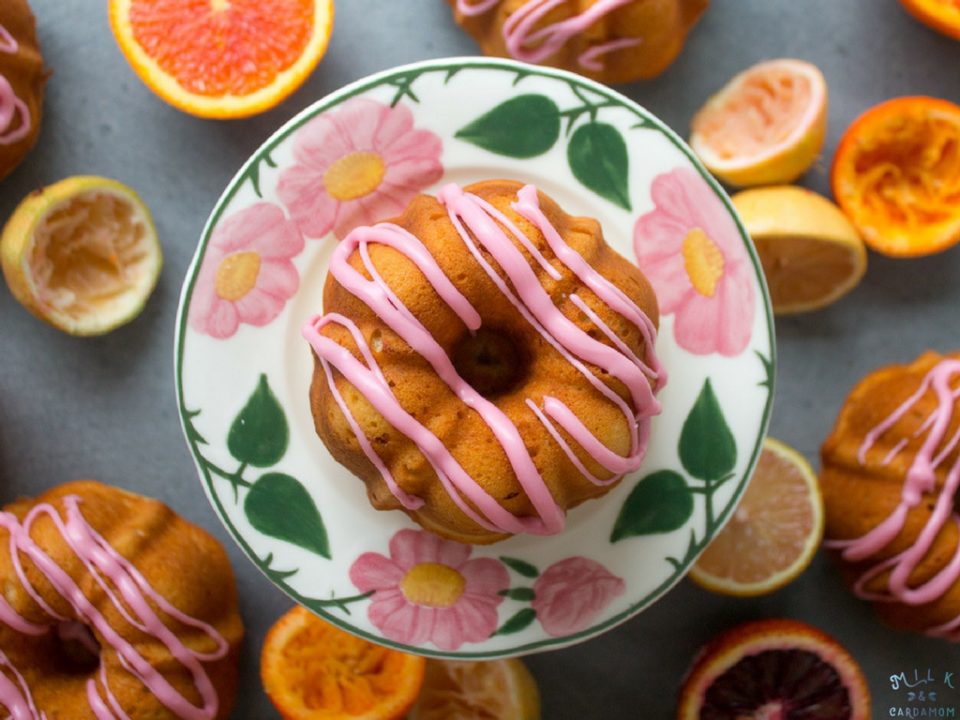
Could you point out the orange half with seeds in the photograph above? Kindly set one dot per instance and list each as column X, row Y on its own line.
column 896, row 175
column 222, row 58
column 312, row 670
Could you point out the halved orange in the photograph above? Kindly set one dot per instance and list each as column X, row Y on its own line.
column 811, row 253
column 312, row 670
column 896, row 174
column 222, row 58
column 774, row 532
column 494, row 690
column 770, row 669
column 767, row 125
column 941, row 15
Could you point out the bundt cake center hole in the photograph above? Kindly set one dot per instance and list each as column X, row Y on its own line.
column 79, row 649
column 490, row 361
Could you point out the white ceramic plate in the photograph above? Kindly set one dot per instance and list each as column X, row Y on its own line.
column 243, row 369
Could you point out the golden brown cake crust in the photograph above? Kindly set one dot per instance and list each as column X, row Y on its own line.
column 660, row 25
column 859, row 497
column 425, row 396
column 25, row 72
column 181, row 562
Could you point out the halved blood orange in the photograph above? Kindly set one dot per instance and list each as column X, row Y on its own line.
column 766, row 126
column 774, row 669
column 312, row 670
column 941, row 15
column 222, row 58
column 896, row 175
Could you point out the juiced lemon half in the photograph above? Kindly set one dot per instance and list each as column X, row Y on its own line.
column 82, row 254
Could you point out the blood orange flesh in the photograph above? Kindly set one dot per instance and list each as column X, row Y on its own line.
column 220, row 47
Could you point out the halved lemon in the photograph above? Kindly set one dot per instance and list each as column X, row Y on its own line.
column 774, row 532
column 222, row 58
column 312, row 670
column 494, row 690
column 812, row 255
column 767, row 125
column 82, row 254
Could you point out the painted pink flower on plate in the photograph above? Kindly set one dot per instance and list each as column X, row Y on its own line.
column 691, row 250
column 357, row 165
column 570, row 594
column 247, row 275
column 429, row 590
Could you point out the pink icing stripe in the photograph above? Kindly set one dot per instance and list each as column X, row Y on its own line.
column 920, row 480
column 130, row 594
column 15, row 696
column 530, row 43
column 531, row 300
column 10, row 104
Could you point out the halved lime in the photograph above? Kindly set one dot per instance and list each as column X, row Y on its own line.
column 82, row 254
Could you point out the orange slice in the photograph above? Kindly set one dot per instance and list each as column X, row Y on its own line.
column 82, row 254
column 766, row 126
column 896, row 175
column 774, row 669
column 811, row 254
column 774, row 532
column 222, row 58
column 941, row 15
column 495, row 690
column 314, row 671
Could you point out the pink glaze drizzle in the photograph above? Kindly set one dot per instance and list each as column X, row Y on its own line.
column 130, row 594
column 476, row 222
column 10, row 104
column 529, row 43
column 920, row 480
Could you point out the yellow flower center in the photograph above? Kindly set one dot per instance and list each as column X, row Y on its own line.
column 703, row 261
column 433, row 585
column 237, row 275
column 218, row 5
column 354, row 175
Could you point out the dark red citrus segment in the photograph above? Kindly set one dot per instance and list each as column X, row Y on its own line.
column 782, row 684
column 219, row 47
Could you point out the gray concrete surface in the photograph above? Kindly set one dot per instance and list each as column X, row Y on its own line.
column 105, row 407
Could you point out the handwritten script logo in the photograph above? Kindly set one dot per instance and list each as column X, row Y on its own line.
column 926, row 689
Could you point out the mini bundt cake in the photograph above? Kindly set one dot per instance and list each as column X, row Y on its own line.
column 486, row 362
column 113, row 607
column 891, row 472
column 613, row 41
column 21, row 83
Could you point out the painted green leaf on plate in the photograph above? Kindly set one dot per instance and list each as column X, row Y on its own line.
column 259, row 434
column 661, row 502
column 520, row 566
column 707, row 448
column 522, row 127
column 598, row 158
column 279, row 506
column 523, row 594
column 518, row 622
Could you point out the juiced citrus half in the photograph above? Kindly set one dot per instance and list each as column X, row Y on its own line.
column 811, row 253
column 82, row 254
column 312, row 670
column 774, row 532
column 942, row 15
column 495, row 690
column 766, row 126
column 774, row 669
column 222, row 58
column 896, row 174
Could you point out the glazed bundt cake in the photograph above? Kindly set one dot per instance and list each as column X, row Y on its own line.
column 113, row 607
column 890, row 479
column 612, row 41
column 21, row 83
column 486, row 362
